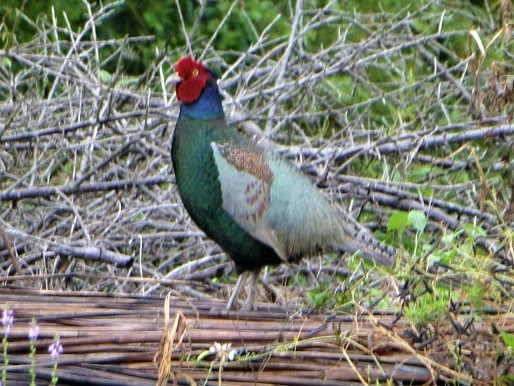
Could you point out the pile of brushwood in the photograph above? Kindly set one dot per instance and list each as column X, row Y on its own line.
column 403, row 119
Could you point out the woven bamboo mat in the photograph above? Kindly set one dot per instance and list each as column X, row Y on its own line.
column 128, row 340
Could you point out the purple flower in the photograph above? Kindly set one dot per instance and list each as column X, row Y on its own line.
column 7, row 320
column 34, row 331
column 55, row 350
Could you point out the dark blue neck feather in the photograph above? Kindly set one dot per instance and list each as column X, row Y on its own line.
column 208, row 106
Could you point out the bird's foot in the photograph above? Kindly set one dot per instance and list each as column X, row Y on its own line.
column 250, row 296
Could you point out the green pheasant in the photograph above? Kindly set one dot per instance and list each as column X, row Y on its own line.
column 257, row 206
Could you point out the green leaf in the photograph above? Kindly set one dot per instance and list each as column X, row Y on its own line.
column 421, row 172
column 411, row 77
column 449, row 238
column 6, row 62
column 508, row 339
column 105, row 76
column 398, row 221
column 445, row 257
column 417, row 219
column 473, row 230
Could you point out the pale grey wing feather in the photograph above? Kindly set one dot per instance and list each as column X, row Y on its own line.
column 278, row 205
column 246, row 197
column 302, row 217
column 305, row 221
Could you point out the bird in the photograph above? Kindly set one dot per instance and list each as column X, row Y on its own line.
column 259, row 207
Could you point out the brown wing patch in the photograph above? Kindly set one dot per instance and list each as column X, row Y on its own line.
column 248, row 160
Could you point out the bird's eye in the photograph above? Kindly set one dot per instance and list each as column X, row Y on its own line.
column 195, row 72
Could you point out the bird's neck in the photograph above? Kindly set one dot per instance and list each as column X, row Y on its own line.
column 208, row 106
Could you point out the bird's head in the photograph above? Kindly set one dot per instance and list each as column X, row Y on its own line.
column 192, row 78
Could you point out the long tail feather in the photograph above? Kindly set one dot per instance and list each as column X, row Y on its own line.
column 359, row 238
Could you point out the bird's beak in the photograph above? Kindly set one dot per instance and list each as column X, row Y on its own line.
column 174, row 79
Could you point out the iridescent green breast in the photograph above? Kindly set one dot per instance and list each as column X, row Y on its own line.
column 199, row 186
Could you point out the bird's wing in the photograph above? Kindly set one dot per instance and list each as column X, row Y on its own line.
column 246, row 179
column 278, row 205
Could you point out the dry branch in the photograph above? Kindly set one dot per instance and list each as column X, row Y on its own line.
column 94, row 254
column 8, row 247
column 47, row 192
column 404, row 144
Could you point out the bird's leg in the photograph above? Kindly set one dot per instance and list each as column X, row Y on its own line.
column 250, row 295
column 237, row 290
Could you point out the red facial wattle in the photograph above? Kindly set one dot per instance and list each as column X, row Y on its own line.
column 194, row 77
